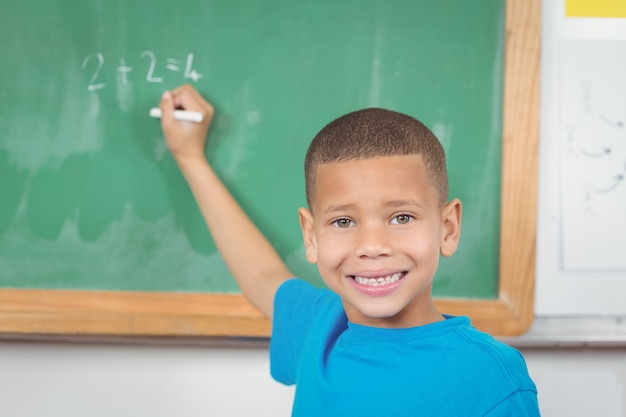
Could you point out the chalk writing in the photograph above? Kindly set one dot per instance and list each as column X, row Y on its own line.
column 95, row 66
column 93, row 85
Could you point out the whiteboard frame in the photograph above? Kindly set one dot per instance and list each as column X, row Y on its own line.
column 141, row 314
column 573, row 296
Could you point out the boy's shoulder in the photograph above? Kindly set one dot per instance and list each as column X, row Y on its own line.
column 480, row 350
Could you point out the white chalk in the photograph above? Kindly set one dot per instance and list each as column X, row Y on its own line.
column 182, row 115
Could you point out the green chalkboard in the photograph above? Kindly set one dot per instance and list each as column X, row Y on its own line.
column 89, row 196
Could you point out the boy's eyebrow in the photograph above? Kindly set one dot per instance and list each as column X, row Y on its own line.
column 338, row 208
column 400, row 203
column 392, row 203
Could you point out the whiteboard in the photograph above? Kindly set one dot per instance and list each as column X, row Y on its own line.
column 581, row 247
column 592, row 105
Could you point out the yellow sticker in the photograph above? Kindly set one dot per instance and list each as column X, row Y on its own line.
column 595, row 8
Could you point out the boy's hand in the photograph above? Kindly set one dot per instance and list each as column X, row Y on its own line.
column 185, row 140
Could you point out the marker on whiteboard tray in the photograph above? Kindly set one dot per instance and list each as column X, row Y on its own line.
column 181, row 115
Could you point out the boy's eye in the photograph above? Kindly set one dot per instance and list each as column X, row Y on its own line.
column 401, row 219
column 343, row 223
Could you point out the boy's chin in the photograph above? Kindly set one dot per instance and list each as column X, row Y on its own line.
column 375, row 316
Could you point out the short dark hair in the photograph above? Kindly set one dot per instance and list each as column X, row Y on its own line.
column 371, row 133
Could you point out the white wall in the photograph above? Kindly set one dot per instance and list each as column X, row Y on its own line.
column 79, row 380
column 579, row 382
column 97, row 380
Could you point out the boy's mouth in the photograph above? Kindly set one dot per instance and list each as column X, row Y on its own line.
column 379, row 281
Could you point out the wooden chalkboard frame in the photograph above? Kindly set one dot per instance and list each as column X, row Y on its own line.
column 121, row 313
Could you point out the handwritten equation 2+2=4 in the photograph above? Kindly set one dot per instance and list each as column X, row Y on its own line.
column 95, row 64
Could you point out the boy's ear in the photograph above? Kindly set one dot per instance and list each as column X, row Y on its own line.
column 450, row 227
column 308, row 234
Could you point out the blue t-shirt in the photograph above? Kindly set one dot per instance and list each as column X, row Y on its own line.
column 446, row 368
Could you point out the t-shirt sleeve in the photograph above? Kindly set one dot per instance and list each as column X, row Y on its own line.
column 297, row 305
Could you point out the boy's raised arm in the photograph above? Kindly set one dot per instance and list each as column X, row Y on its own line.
column 252, row 260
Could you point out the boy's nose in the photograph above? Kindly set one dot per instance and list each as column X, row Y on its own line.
column 372, row 242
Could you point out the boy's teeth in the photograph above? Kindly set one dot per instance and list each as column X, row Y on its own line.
column 378, row 281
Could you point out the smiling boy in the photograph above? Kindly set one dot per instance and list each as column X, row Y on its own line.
column 374, row 343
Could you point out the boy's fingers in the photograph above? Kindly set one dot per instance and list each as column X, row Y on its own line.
column 167, row 108
column 185, row 99
column 188, row 98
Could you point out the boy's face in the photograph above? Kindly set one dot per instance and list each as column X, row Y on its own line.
column 376, row 230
